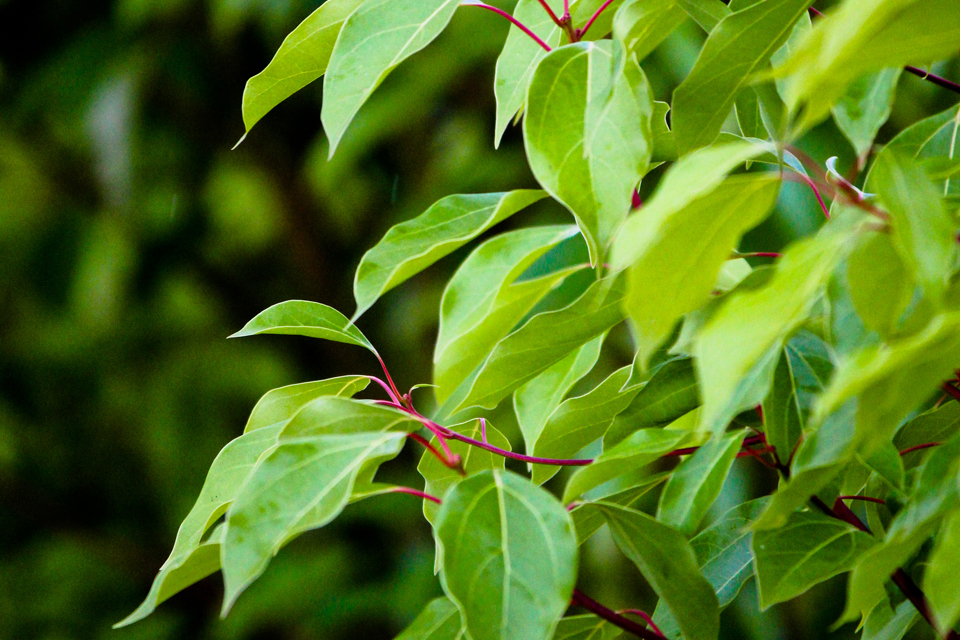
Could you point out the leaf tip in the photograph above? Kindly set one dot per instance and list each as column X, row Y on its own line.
column 240, row 141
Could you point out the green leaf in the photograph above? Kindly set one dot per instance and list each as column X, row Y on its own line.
column 881, row 288
column 439, row 620
column 930, row 141
column 582, row 420
column 671, row 392
column 410, row 247
column 588, row 627
column 752, row 325
column 373, row 41
column 606, row 102
column 941, row 580
column 482, row 302
column 510, row 556
column 884, row 623
column 725, row 558
column 696, row 483
column 706, row 13
column 540, row 342
column 537, row 399
column 861, row 37
column 301, row 59
column 680, row 253
column 664, row 143
column 936, row 425
column 809, row 549
column 802, row 373
column 302, row 318
column 588, row 521
column 641, row 448
column 924, row 232
column 740, row 45
column 749, row 117
column 278, row 406
column 641, row 25
column 667, row 562
column 865, row 106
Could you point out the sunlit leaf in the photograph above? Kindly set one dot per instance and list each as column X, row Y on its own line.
column 706, row 13
column 439, row 620
column 302, row 318
column 641, row 25
column 278, row 406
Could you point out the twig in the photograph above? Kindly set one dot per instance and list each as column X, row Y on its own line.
column 517, row 23
column 628, row 625
column 415, row 492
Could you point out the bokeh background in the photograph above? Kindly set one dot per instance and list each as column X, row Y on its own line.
column 133, row 241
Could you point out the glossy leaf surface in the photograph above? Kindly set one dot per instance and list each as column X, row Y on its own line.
column 278, row 406
column 303, row 318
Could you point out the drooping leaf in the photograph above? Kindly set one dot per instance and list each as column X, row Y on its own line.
column 881, row 287
column 924, row 233
column 303, row 318
column 696, row 483
column 412, row 246
column 301, row 59
column 482, row 303
column 586, row 627
column 810, row 548
column 667, row 562
column 510, row 556
column 582, row 420
column 439, row 620
column 680, row 253
column 864, row 107
column 641, row 25
column 543, row 340
column 606, row 102
column 278, row 406
column 941, row 580
column 537, row 399
column 932, row 142
column 671, row 392
column 373, row 41
column 740, row 45
column 725, row 558
column 752, row 325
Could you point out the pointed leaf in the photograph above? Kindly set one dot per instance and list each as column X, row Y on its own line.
column 439, row 620
column 373, row 41
column 641, row 25
column 412, row 246
column 301, row 59
column 588, row 521
column 278, row 406
column 864, row 107
column 884, row 623
column 510, row 556
column 931, row 141
column 302, row 318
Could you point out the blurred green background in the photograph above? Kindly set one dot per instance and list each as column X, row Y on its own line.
column 133, row 241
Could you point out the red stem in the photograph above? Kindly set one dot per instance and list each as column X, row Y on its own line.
column 452, row 462
column 756, row 254
column 628, row 625
column 918, row 447
column 646, row 618
column 516, row 22
column 414, row 492
column 951, row 390
column 396, row 393
column 518, row 456
column 553, row 16
column 866, row 498
column 582, row 32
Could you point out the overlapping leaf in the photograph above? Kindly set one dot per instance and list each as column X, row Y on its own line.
column 278, row 406
column 439, row 620
column 933, row 143
column 864, row 107
column 641, row 25
column 671, row 392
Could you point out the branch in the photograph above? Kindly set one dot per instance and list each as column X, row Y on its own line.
column 594, row 607
column 582, row 32
column 415, row 492
column 517, row 23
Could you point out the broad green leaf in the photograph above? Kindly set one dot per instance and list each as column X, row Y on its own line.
column 278, row 406
column 861, row 37
column 884, row 623
column 542, row 341
column 696, row 483
column 582, row 420
column 809, row 549
column 690, row 178
column 941, row 580
column 881, row 288
column 641, row 448
column 671, row 392
column 749, row 118
column 373, row 41
column 302, row 318
column 190, row 560
column 641, row 25
column 410, row 247
column 924, row 232
column 301, row 59
column 510, row 556
column 519, row 59
column 536, row 400
column 296, row 486
column 680, row 253
column 936, row 425
column 740, row 45
column 886, row 463
column 583, row 10
column 333, row 415
column 482, row 302
column 802, row 373
column 706, row 13
column 864, row 107
column 725, row 558
column 587, row 627
column 606, row 100
column 930, row 141
column 753, row 324
column 588, row 521
column 667, row 562
column 439, row 620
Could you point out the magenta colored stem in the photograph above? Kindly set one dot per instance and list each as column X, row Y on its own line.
column 566, row 10
column 951, row 390
column 757, row 254
column 582, row 600
column 414, row 492
column 509, row 17
column 517, row 456
column 393, row 397
column 396, row 393
column 552, row 15
column 586, row 27
column 919, row 447
column 645, row 616
column 864, row 498
column 816, row 192
column 483, row 430
column 448, row 461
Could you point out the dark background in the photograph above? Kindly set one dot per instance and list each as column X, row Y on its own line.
column 133, row 241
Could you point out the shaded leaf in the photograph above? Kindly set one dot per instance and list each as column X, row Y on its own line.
column 941, row 580
column 864, row 107
column 303, row 318
column 881, row 288
column 931, row 141
column 587, row 627
column 588, row 521
column 936, row 425
column 884, row 623
column 439, row 620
